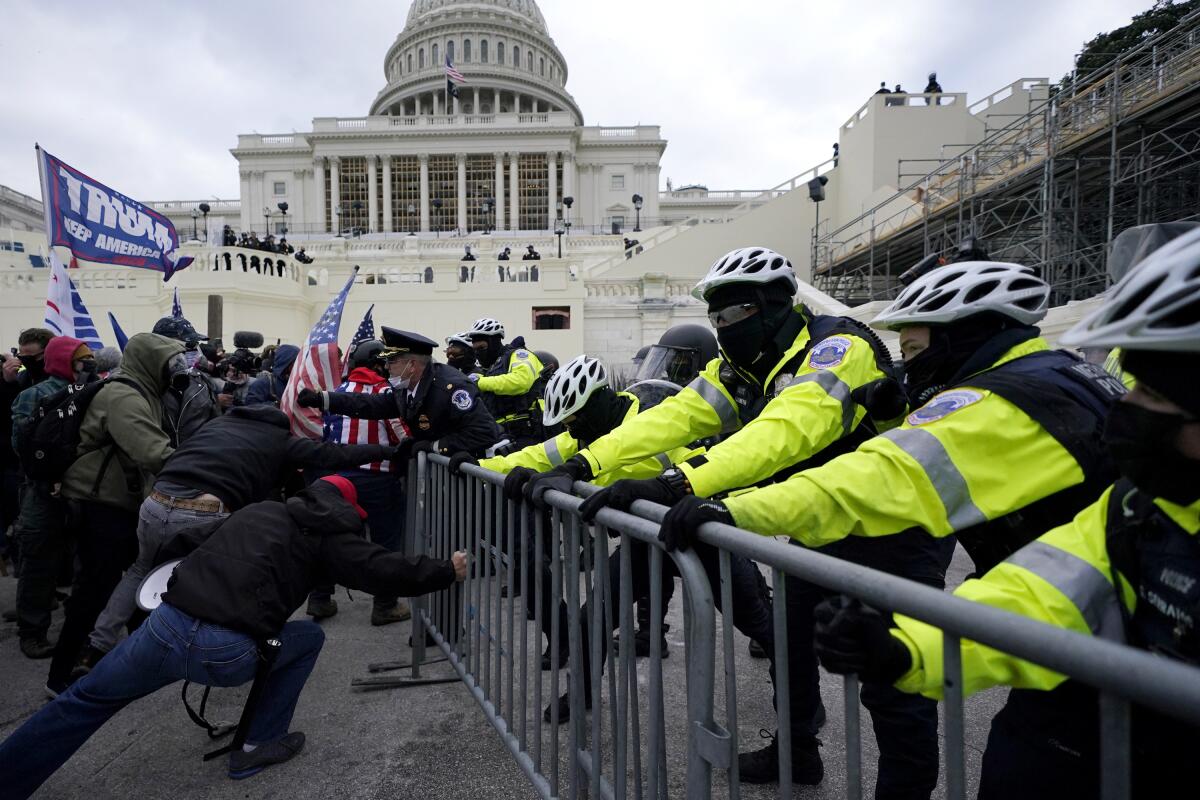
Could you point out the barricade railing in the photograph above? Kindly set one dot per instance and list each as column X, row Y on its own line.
column 480, row 627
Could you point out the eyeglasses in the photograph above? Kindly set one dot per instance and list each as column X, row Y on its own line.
column 732, row 314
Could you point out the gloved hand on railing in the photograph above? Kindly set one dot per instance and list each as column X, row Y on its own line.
column 460, row 458
column 562, row 478
column 409, row 449
column 685, row 517
column 514, row 482
column 851, row 637
column 622, row 494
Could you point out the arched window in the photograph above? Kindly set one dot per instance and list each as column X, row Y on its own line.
column 499, row 52
column 543, row 67
column 516, row 56
column 529, row 60
column 466, row 51
column 436, row 60
column 483, row 51
column 450, row 50
column 421, row 58
column 410, row 62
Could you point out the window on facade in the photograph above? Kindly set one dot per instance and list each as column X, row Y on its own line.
column 617, row 182
column 499, row 52
column 410, row 62
column 529, row 60
column 421, row 57
column 450, row 50
column 481, row 185
column 443, row 187
column 618, row 223
column 352, row 185
column 466, row 51
column 280, row 187
column 281, row 229
column 483, row 52
column 532, row 183
column 551, row 318
column 436, row 60
column 543, row 67
column 516, row 56
column 406, row 193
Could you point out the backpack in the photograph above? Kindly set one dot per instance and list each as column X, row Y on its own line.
column 50, row 443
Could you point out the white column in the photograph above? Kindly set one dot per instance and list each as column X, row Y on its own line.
column 316, row 212
column 372, row 195
column 462, row 192
column 256, row 199
column 475, row 107
column 499, row 195
column 568, row 162
column 454, row 105
column 244, row 178
column 335, row 193
column 424, row 159
column 299, row 200
column 597, row 210
column 514, row 192
column 437, row 103
column 387, row 193
column 552, row 198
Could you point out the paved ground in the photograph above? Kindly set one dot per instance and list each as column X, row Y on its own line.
column 430, row 741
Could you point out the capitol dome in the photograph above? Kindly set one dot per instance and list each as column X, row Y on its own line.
column 502, row 47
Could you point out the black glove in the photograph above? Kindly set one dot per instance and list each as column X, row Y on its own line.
column 622, row 494
column 680, row 524
column 460, row 458
column 850, row 637
column 403, row 451
column 562, row 479
column 423, row 446
column 308, row 398
column 883, row 399
column 514, row 482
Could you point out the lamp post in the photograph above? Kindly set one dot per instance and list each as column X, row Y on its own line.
column 558, row 231
column 568, row 202
column 204, row 209
column 195, row 215
column 357, row 207
column 283, row 209
column 637, row 205
column 412, row 213
column 816, row 193
column 266, row 221
column 489, row 205
column 437, row 216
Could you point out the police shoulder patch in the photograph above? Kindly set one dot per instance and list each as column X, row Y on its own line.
column 522, row 354
column 461, row 399
column 829, row 352
column 943, row 405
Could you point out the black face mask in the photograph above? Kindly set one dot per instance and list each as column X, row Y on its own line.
column 487, row 355
column 87, row 371
column 1141, row 443
column 464, row 362
column 603, row 411
column 743, row 342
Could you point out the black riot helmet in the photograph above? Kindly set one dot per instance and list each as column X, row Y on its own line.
column 367, row 353
column 680, row 355
column 549, row 361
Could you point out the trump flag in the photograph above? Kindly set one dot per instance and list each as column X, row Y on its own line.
column 101, row 225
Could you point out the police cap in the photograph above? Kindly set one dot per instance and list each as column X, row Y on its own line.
column 404, row 342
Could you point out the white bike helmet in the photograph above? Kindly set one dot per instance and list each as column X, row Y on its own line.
column 486, row 326
column 1156, row 306
column 746, row 265
column 459, row 338
column 571, row 387
column 957, row 291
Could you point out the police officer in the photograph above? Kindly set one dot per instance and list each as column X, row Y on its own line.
column 1004, row 442
column 682, row 352
column 460, row 353
column 511, row 382
column 440, row 407
column 781, row 390
column 1142, row 532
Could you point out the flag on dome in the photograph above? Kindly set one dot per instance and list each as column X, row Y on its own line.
column 317, row 367
column 103, row 226
column 176, row 308
column 66, row 314
column 453, row 78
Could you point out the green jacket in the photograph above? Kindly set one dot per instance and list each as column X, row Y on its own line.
column 121, row 441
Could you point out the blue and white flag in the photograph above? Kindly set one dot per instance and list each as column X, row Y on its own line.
column 176, row 308
column 122, row 339
column 66, row 314
column 103, row 226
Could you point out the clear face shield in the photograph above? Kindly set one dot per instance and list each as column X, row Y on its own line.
column 679, row 365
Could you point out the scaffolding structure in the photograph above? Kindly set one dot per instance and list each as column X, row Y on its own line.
column 1117, row 147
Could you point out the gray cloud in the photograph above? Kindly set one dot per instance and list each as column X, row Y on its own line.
column 150, row 96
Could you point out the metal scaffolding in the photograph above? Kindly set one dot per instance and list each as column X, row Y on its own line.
column 1100, row 153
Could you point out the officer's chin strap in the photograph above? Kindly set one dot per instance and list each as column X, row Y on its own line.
column 268, row 651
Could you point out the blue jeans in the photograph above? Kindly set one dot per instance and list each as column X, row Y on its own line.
column 168, row 647
column 157, row 523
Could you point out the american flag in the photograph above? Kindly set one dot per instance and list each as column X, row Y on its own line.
column 366, row 330
column 317, row 367
column 453, row 75
column 176, row 308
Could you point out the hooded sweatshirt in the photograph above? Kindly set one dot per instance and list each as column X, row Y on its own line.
column 259, row 565
column 121, row 440
column 57, row 360
column 269, row 388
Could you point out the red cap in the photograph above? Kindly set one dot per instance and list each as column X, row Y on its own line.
column 349, row 492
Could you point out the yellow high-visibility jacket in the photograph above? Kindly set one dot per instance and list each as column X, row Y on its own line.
column 966, row 457
column 524, row 367
column 552, row 452
column 807, row 411
column 1063, row 578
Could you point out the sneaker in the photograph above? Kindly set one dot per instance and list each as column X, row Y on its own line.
column 386, row 616
column 762, row 766
column 564, row 708
column 243, row 764
column 641, row 645
column 36, row 647
column 756, row 649
column 321, row 607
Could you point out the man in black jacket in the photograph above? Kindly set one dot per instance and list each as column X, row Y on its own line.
column 238, row 459
column 438, row 404
column 235, row 590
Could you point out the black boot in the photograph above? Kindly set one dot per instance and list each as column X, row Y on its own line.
column 762, row 766
column 564, row 707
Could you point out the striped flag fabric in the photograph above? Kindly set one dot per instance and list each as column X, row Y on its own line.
column 453, row 75
column 176, row 307
column 122, row 339
column 318, row 366
column 66, row 314
column 366, row 330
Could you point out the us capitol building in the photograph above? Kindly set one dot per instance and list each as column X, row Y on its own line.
column 403, row 192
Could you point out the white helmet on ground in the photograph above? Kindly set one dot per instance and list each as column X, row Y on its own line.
column 459, row 338
column 958, row 291
column 746, row 265
column 1156, row 306
column 571, row 387
column 486, row 326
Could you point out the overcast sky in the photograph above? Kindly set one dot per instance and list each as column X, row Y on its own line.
column 150, row 97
